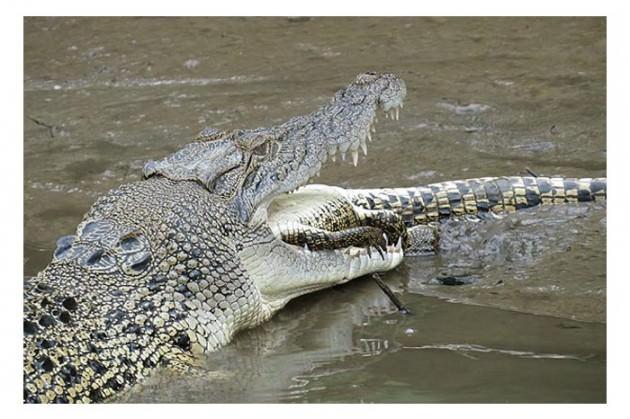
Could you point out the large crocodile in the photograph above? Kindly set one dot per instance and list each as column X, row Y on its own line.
column 216, row 239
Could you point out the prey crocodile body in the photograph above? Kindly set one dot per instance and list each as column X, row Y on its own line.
column 222, row 234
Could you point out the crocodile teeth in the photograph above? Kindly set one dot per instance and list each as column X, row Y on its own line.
column 332, row 152
column 369, row 136
column 355, row 157
column 364, row 145
column 396, row 113
column 344, row 147
column 343, row 156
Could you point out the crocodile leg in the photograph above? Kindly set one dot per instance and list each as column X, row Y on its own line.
column 318, row 239
column 423, row 239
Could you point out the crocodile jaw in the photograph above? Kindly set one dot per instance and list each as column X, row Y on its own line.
column 282, row 271
column 298, row 148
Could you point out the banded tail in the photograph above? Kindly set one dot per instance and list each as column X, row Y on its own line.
column 423, row 204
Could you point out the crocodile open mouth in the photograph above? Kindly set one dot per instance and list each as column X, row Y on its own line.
column 295, row 216
column 292, row 265
column 309, row 246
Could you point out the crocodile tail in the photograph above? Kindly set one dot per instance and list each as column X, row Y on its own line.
column 423, row 204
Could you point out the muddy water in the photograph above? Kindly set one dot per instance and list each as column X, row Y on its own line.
column 485, row 97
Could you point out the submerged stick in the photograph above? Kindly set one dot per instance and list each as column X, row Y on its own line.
column 51, row 128
column 531, row 172
column 392, row 297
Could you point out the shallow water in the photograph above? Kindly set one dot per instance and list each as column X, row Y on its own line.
column 485, row 97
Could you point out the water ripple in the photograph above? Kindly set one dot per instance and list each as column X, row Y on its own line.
column 46, row 85
column 465, row 348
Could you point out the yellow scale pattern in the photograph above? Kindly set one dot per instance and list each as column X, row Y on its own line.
column 422, row 205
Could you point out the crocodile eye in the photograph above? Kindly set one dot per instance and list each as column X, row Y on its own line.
column 261, row 150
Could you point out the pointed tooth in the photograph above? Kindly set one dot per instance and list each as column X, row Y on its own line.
column 386, row 241
column 343, row 156
column 386, row 115
column 402, row 105
column 344, row 147
column 397, row 113
column 399, row 243
column 306, row 249
column 355, row 157
column 332, row 150
column 364, row 146
column 375, row 120
column 318, row 174
column 369, row 136
column 333, row 158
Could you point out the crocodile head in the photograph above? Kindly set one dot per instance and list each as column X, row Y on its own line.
column 251, row 169
column 172, row 266
column 287, row 156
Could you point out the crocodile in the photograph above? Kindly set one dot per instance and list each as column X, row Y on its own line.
column 221, row 234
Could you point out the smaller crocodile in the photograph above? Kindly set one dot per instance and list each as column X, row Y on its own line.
column 216, row 239
column 312, row 215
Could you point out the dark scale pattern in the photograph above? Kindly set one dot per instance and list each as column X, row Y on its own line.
column 422, row 205
column 89, row 333
column 153, row 276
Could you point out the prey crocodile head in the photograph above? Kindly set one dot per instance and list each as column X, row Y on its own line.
column 174, row 265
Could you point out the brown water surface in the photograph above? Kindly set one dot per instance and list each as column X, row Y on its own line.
column 485, row 97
